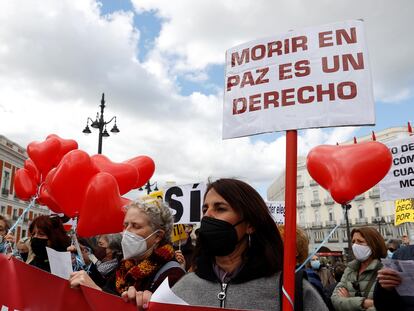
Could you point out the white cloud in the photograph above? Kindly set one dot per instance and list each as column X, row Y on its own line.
column 199, row 33
column 57, row 58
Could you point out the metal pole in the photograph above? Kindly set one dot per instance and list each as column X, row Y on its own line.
column 348, row 232
column 101, row 124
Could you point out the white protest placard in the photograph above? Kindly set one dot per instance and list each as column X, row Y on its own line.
column 186, row 201
column 399, row 182
column 60, row 263
column 310, row 78
column 277, row 210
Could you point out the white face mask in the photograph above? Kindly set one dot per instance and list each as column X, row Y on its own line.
column 361, row 252
column 134, row 245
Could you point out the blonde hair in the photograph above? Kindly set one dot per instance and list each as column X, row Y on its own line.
column 302, row 243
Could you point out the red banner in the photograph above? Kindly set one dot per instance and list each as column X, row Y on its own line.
column 24, row 287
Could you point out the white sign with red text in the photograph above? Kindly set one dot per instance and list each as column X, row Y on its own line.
column 310, row 78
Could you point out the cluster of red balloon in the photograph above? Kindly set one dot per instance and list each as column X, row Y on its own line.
column 69, row 181
column 349, row 170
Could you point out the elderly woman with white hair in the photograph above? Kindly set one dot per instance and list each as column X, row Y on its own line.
column 148, row 255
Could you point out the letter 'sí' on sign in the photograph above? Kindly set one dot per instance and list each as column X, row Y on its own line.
column 195, row 204
column 186, row 201
column 175, row 204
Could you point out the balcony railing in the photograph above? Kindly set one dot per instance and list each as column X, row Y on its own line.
column 328, row 201
column 317, row 224
column 359, row 197
column 330, row 223
column 374, row 193
column 300, row 184
column 300, row 204
column 363, row 220
column 313, row 183
column 316, row 203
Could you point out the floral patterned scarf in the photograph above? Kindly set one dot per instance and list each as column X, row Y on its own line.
column 140, row 274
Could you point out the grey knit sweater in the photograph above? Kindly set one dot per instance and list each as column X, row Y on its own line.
column 257, row 294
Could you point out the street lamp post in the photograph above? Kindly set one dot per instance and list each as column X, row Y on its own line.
column 379, row 221
column 100, row 124
column 346, row 207
column 148, row 186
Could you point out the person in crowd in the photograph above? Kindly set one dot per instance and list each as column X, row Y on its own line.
column 324, row 274
column 392, row 246
column 302, row 253
column 338, row 270
column 24, row 249
column 108, row 253
column 239, row 255
column 5, row 237
column 355, row 290
column 405, row 240
column 46, row 231
column 184, row 249
column 148, row 255
column 386, row 296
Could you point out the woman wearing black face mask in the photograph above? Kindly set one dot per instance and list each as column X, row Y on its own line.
column 46, row 231
column 239, row 254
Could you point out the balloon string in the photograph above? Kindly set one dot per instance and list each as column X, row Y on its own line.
column 75, row 240
column 318, row 248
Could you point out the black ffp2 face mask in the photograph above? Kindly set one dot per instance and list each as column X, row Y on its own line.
column 39, row 247
column 218, row 237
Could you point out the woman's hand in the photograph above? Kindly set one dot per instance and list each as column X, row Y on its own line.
column 9, row 237
column 82, row 278
column 368, row 303
column 140, row 298
column 343, row 292
column 388, row 278
column 180, row 258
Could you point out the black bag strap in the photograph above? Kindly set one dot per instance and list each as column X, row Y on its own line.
column 298, row 303
column 168, row 265
column 369, row 285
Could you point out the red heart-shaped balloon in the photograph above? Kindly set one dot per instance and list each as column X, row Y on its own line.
column 102, row 211
column 69, row 183
column 45, row 198
column 66, row 145
column 24, row 184
column 145, row 167
column 125, row 174
column 43, row 154
column 33, row 171
column 349, row 170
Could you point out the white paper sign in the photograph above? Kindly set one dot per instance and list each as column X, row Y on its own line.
column 277, row 210
column 399, row 182
column 164, row 294
column 186, row 201
column 310, row 78
column 60, row 263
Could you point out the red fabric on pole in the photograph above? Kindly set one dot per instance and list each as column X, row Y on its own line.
column 410, row 130
column 355, row 140
column 289, row 258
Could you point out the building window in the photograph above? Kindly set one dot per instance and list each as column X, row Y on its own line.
column 360, row 213
column 6, row 182
column 377, row 209
column 301, row 217
column 24, row 234
column 3, row 210
column 317, row 216
column 331, row 216
column 315, row 195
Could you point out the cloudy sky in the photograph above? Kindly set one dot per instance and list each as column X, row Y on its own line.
column 160, row 64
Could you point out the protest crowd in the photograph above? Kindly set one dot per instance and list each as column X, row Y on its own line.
column 234, row 259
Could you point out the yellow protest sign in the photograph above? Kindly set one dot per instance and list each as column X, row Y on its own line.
column 404, row 211
column 178, row 233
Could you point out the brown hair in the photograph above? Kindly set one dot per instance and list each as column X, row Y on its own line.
column 374, row 240
column 7, row 222
column 53, row 228
column 302, row 243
